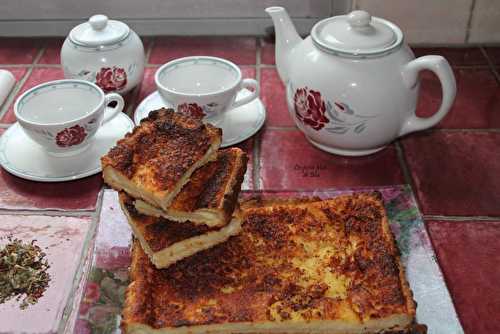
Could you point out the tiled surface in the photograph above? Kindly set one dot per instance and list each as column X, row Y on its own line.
column 455, row 173
column 240, row 50
column 62, row 239
column 18, row 50
column 469, row 255
column 20, row 194
column 477, row 104
column 288, row 161
column 455, row 56
column 493, row 55
column 52, row 51
column 267, row 52
column 273, row 96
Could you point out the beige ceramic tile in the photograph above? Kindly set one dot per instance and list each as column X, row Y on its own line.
column 485, row 24
column 424, row 21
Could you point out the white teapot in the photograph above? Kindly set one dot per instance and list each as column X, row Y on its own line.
column 105, row 52
column 352, row 86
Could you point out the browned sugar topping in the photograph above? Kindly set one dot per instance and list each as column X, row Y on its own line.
column 166, row 142
column 207, row 186
column 319, row 261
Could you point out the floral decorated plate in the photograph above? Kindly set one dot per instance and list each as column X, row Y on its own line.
column 101, row 300
column 21, row 156
column 237, row 124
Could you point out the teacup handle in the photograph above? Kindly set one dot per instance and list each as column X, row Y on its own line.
column 111, row 112
column 442, row 69
column 247, row 83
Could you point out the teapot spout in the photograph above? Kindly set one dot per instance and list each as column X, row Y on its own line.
column 286, row 39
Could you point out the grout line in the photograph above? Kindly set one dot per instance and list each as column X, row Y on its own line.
column 17, row 88
column 150, row 50
column 38, row 55
column 51, row 212
column 404, row 164
column 491, row 64
column 469, row 20
column 462, row 218
column 46, row 66
column 282, row 128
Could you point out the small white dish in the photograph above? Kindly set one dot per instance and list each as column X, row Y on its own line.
column 23, row 157
column 237, row 124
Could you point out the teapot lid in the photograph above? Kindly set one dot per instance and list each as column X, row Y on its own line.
column 99, row 31
column 357, row 34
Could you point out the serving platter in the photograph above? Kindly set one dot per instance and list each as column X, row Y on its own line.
column 106, row 273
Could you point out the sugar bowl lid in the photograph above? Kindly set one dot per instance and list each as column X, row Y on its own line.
column 99, row 30
column 357, row 34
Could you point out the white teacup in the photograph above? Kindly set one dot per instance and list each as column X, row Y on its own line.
column 64, row 115
column 203, row 86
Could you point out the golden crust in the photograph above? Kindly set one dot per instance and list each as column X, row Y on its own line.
column 332, row 261
column 214, row 188
column 160, row 155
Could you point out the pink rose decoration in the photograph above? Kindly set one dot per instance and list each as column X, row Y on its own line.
column 191, row 109
column 310, row 108
column 111, row 79
column 71, row 136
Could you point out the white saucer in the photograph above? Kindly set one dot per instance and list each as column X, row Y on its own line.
column 21, row 156
column 237, row 125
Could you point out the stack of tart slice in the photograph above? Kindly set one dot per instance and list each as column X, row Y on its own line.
column 202, row 263
column 177, row 189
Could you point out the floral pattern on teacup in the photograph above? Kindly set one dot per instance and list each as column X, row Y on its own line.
column 191, row 109
column 71, row 136
column 111, row 79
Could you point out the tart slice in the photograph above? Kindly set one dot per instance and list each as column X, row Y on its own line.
column 211, row 194
column 304, row 266
column 157, row 159
column 166, row 242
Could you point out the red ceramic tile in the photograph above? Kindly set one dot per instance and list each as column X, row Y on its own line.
column 289, row 161
column 477, row 104
column 455, row 173
column 20, row 194
column 240, row 50
column 18, row 72
column 18, row 50
column 455, row 56
column 63, row 240
column 267, row 52
column 38, row 76
column 147, row 86
column 469, row 255
column 274, row 98
column 494, row 54
column 52, row 52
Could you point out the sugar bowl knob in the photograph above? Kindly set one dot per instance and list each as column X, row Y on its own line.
column 98, row 22
column 359, row 19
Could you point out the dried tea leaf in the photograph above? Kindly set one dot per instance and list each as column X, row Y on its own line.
column 23, row 272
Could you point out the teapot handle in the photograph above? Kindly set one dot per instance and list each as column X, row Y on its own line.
column 442, row 69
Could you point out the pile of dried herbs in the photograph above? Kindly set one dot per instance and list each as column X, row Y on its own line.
column 23, row 272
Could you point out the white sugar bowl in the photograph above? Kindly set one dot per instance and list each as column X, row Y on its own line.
column 105, row 52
